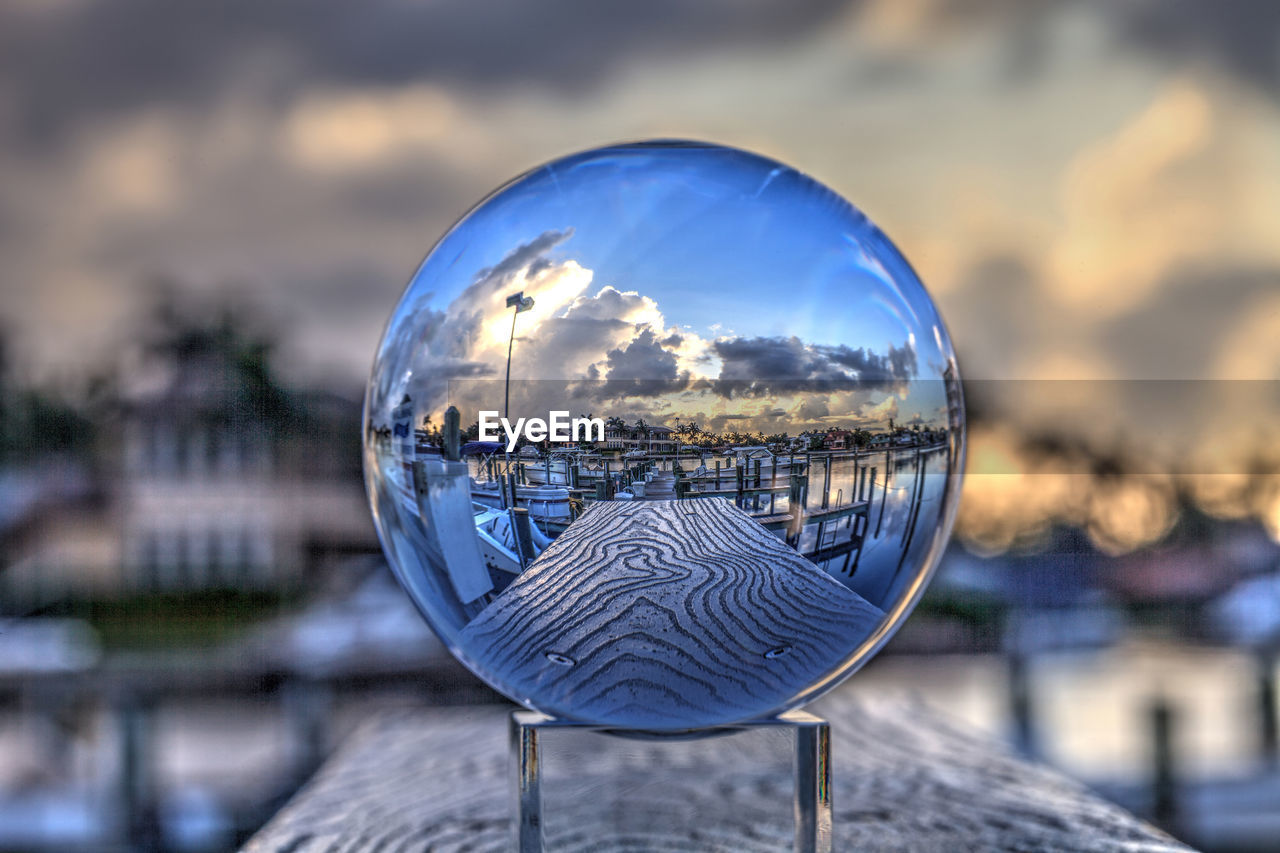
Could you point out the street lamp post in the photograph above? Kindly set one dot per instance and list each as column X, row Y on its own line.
column 520, row 302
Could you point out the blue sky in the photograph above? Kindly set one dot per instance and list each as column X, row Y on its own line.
column 668, row 263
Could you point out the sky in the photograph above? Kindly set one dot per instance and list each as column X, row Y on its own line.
column 670, row 282
column 1087, row 188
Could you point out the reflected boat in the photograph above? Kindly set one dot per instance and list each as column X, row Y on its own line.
column 550, row 509
column 563, row 467
column 497, row 539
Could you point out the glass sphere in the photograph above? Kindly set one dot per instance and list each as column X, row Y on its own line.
column 664, row 436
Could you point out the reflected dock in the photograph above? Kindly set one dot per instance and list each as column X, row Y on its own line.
column 688, row 608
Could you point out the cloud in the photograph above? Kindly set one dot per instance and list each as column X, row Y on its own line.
column 84, row 60
column 1135, row 207
column 1240, row 37
column 572, row 348
column 644, row 367
column 579, row 339
column 527, row 260
column 880, row 412
column 760, row 366
column 610, row 350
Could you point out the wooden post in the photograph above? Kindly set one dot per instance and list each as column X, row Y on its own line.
column 513, row 495
column 137, row 781
column 883, row 495
column 1020, row 704
column 1269, row 741
column 1164, row 782
column 452, row 434
column 524, row 535
column 796, row 506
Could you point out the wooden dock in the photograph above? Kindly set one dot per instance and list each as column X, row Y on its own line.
column 667, row 614
column 904, row 778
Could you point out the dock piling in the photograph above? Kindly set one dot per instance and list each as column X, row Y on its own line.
column 452, row 434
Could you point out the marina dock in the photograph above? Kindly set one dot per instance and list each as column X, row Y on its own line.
column 683, row 607
column 828, row 519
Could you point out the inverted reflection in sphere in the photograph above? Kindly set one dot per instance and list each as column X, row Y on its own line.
column 706, row 445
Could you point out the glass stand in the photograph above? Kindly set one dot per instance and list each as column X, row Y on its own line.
column 810, row 736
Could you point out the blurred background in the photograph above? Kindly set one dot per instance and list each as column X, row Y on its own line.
column 209, row 210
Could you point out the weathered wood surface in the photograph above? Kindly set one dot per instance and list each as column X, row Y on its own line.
column 667, row 614
column 905, row 779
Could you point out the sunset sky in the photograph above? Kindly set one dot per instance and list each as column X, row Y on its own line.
column 1089, row 188
column 670, row 282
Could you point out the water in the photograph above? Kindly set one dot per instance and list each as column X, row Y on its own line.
column 904, row 507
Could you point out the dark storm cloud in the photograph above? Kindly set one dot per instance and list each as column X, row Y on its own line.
column 573, row 340
column 528, row 256
column 759, row 367
column 643, row 367
column 84, row 59
column 813, row 408
column 1242, row 36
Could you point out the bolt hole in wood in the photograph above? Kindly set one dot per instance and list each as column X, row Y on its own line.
column 562, row 660
column 777, row 652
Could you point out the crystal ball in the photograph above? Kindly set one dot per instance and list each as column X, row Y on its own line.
column 664, row 436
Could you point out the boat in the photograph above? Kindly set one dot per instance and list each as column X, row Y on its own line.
column 496, row 536
column 557, row 469
column 550, row 508
column 475, row 566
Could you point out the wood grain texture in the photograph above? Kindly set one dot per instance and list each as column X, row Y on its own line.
column 905, row 779
column 666, row 615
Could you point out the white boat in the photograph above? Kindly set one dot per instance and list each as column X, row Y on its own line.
column 555, row 468
column 444, row 503
column 549, row 506
column 497, row 538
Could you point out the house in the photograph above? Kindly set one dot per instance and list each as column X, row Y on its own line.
column 228, row 481
column 838, row 439
column 659, row 439
column 209, row 475
column 616, row 436
column 650, row 439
